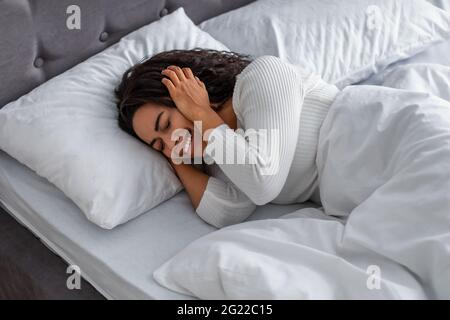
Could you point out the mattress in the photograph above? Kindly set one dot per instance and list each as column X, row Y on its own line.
column 119, row 263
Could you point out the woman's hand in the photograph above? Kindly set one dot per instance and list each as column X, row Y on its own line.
column 187, row 91
column 190, row 96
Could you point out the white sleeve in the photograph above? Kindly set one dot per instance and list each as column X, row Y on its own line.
column 223, row 204
column 268, row 95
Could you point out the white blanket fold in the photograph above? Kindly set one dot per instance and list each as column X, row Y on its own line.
column 384, row 159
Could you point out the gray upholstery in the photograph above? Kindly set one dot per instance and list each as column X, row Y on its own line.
column 36, row 45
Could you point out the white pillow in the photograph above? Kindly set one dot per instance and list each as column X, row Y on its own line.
column 343, row 41
column 66, row 129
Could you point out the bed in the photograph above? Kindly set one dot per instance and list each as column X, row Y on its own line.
column 104, row 256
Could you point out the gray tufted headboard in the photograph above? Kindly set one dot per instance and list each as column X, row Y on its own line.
column 36, row 44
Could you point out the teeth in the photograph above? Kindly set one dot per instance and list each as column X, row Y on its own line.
column 187, row 146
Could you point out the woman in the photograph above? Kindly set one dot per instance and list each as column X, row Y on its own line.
column 380, row 156
column 165, row 93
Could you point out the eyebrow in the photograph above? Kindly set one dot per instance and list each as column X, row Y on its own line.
column 156, row 127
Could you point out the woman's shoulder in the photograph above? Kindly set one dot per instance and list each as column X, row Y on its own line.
column 261, row 64
column 268, row 70
column 272, row 65
column 260, row 76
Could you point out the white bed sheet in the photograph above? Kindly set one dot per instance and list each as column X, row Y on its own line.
column 119, row 263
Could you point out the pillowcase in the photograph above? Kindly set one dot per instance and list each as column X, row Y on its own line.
column 343, row 41
column 66, row 129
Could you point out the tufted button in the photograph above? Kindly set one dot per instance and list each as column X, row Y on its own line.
column 38, row 62
column 104, row 36
column 163, row 12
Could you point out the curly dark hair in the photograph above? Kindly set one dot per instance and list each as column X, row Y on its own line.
column 142, row 83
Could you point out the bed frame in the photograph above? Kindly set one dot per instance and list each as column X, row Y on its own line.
column 40, row 39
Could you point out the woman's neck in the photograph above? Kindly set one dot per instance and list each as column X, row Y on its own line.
column 227, row 114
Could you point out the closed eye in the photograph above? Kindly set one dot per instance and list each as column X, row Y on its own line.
column 168, row 125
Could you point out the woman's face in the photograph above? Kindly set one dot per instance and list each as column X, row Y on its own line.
column 155, row 123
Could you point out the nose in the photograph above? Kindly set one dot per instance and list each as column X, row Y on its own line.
column 168, row 142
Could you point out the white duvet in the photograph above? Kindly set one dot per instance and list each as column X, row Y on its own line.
column 423, row 77
column 383, row 231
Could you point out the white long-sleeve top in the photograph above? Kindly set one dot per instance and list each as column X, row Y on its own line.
column 290, row 103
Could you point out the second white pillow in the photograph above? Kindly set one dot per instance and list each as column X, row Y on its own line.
column 343, row 41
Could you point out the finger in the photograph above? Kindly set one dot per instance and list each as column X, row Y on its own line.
column 172, row 75
column 178, row 71
column 200, row 83
column 169, row 85
column 188, row 73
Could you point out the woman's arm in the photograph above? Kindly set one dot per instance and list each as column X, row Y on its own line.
column 216, row 201
column 269, row 98
column 193, row 180
column 269, row 94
